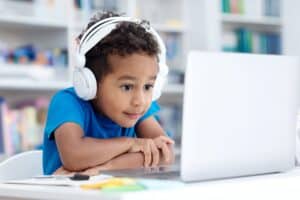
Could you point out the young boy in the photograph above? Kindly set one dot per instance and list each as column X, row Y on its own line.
column 116, row 129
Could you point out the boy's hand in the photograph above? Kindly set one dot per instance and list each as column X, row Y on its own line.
column 163, row 143
column 63, row 171
column 148, row 148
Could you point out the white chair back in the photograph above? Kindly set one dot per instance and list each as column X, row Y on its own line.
column 21, row 166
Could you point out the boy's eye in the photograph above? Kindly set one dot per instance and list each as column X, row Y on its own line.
column 149, row 86
column 126, row 87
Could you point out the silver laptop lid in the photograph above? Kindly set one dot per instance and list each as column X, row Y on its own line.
column 239, row 115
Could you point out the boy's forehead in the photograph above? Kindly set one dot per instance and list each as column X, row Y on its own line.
column 122, row 73
column 135, row 63
column 134, row 57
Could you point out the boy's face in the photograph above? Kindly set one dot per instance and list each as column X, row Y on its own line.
column 125, row 94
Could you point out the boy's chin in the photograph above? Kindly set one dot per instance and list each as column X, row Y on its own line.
column 128, row 124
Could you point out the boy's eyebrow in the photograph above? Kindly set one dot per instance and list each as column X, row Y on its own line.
column 152, row 78
column 128, row 77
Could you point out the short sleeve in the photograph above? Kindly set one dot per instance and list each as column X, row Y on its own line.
column 64, row 107
column 154, row 108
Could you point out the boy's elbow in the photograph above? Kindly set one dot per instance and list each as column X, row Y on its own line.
column 72, row 167
column 73, row 162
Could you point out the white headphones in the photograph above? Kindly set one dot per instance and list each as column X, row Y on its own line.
column 84, row 80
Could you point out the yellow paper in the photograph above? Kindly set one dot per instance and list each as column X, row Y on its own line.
column 112, row 182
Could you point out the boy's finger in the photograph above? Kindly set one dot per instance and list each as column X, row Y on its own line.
column 159, row 143
column 167, row 139
column 147, row 153
column 166, row 152
column 155, row 155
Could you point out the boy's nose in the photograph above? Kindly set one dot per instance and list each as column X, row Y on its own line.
column 138, row 98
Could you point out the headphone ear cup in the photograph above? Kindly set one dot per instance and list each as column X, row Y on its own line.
column 85, row 83
column 160, row 81
column 80, row 60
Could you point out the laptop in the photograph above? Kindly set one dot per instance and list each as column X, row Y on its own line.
column 239, row 117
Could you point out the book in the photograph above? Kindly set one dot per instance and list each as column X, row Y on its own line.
column 272, row 8
column 226, row 6
column 244, row 38
column 2, row 101
column 229, row 41
column 5, row 128
column 21, row 126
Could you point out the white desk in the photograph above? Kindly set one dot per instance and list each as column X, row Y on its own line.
column 274, row 186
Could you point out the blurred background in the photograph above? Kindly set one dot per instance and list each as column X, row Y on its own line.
column 37, row 43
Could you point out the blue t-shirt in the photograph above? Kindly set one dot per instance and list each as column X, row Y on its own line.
column 64, row 107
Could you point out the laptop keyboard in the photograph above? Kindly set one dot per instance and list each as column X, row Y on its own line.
column 163, row 175
column 153, row 172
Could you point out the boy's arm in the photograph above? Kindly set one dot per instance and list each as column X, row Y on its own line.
column 78, row 152
column 150, row 128
column 124, row 161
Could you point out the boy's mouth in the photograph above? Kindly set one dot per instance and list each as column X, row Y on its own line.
column 133, row 115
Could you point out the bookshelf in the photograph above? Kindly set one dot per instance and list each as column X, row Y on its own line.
column 265, row 24
column 251, row 27
column 33, row 65
column 26, row 22
column 240, row 20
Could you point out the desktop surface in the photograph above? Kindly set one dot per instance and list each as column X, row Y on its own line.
column 272, row 186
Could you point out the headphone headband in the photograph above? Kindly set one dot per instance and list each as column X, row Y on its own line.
column 102, row 28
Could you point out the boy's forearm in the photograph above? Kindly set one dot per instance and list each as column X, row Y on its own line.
column 126, row 161
column 135, row 160
column 93, row 152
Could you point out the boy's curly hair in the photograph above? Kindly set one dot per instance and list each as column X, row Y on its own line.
column 127, row 38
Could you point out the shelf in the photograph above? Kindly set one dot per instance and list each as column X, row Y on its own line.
column 30, row 71
column 168, row 28
column 31, row 77
column 27, row 84
column 174, row 89
column 260, row 20
column 157, row 27
column 27, row 22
